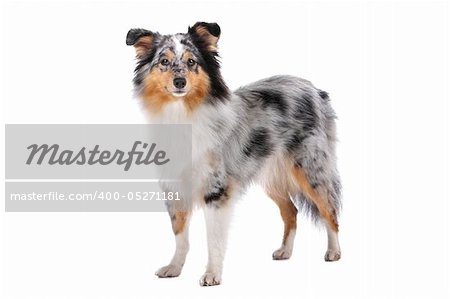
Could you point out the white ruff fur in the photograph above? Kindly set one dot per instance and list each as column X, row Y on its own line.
column 203, row 136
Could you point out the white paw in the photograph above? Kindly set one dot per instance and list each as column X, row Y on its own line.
column 169, row 271
column 210, row 279
column 332, row 255
column 282, row 253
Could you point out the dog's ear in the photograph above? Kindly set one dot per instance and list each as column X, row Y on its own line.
column 141, row 39
column 207, row 33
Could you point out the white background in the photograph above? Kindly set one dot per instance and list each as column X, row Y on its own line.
column 386, row 67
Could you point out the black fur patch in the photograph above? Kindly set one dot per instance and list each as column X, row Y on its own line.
column 294, row 141
column 213, row 28
column 306, row 113
column 173, row 217
column 134, row 34
column 139, row 77
column 218, row 89
column 258, row 145
column 215, row 196
column 271, row 98
column 323, row 94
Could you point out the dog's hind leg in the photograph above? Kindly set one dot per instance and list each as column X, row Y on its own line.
column 323, row 201
column 180, row 226
column 288, row 213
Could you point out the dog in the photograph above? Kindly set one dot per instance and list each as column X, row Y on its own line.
column 278, row 132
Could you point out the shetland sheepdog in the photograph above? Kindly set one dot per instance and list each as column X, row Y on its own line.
column 278, row 132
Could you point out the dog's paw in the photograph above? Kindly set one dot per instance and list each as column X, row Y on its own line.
column 169, row 271
column 332, row 255
column 210, row 279
column 282, row 253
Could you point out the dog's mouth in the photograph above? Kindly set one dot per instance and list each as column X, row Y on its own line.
column 179, row 93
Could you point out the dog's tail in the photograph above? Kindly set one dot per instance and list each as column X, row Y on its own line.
column 309, row 209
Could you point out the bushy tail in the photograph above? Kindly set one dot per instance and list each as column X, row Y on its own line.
column 309, row 209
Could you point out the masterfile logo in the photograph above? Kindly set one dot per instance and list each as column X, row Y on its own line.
column 54, row 155
column 96, row 167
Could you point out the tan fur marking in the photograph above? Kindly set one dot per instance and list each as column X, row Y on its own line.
column 229, row 192
column 199, row 88
column 208, row 37
column 156, row 94
column 158, row 83
column 143, row 45
column 198, row 83
column 321, row 203
column 212, row 160
column 169, row 55
column 288, row 212
column 187, row 55
column 179, row 222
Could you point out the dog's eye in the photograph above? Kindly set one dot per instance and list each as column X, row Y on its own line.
column 191, row 62
column 164, row 61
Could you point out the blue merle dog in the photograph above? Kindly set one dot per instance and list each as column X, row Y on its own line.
column 278, row 132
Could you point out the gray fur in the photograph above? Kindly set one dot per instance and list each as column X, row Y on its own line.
column 313, row 146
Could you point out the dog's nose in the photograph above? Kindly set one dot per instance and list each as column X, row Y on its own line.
column 179, row 82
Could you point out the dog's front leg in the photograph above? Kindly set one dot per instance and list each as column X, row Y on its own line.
column 217, row 220
column 180, row 218
column 219, row 195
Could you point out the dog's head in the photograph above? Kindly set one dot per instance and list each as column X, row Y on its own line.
column 182, row 66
